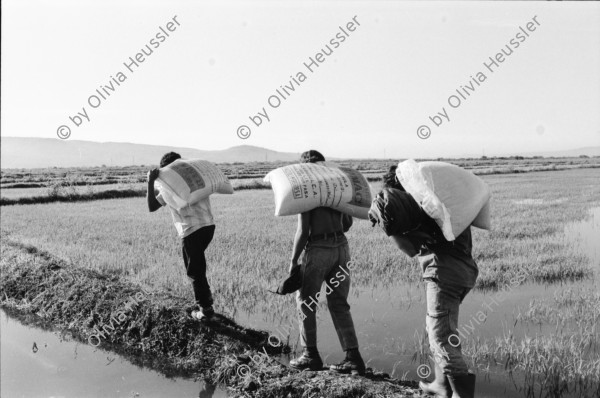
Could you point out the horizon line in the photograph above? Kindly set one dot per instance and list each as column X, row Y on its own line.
column 532, row 153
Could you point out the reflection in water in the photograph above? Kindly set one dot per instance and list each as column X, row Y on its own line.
column 62, row 367
column 585, row 236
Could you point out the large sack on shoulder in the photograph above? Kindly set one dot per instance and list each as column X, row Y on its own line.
column 185, row 182
column 299, row 188
column 454, row 197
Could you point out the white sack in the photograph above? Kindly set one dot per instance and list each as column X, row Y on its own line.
column 299, row 188
column 454, row 197
column 185, row 182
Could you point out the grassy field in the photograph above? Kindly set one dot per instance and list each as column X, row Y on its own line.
column 251, row 248
column 120, row 236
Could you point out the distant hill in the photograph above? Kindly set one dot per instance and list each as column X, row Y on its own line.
column 31, row 152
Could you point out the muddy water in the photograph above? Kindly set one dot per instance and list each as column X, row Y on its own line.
column 585, row 235
column 40, row 363
column 390, row 321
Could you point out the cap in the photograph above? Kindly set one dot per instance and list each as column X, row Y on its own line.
column 292, row 283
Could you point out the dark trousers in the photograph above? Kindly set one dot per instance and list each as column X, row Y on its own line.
column 193, row 249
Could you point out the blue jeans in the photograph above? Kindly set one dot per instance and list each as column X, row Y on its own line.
column 325, row 261
column 443, row 301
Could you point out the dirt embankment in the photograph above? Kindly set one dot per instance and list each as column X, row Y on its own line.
column 154, row 330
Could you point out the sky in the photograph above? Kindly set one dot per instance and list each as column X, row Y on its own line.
column 396, row 70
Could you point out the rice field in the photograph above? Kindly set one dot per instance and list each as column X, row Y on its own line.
column 251, row 250
column 372, row 168
column 121, row 236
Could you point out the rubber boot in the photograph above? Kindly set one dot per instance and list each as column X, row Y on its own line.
column 462, row 386
column 439, row 387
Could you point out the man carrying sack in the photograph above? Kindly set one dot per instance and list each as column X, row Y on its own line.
column 449, row 272
column 320, row 236
column 195, row 226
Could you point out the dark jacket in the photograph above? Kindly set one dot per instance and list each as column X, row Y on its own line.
column 395, row 211
column 398, row 213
